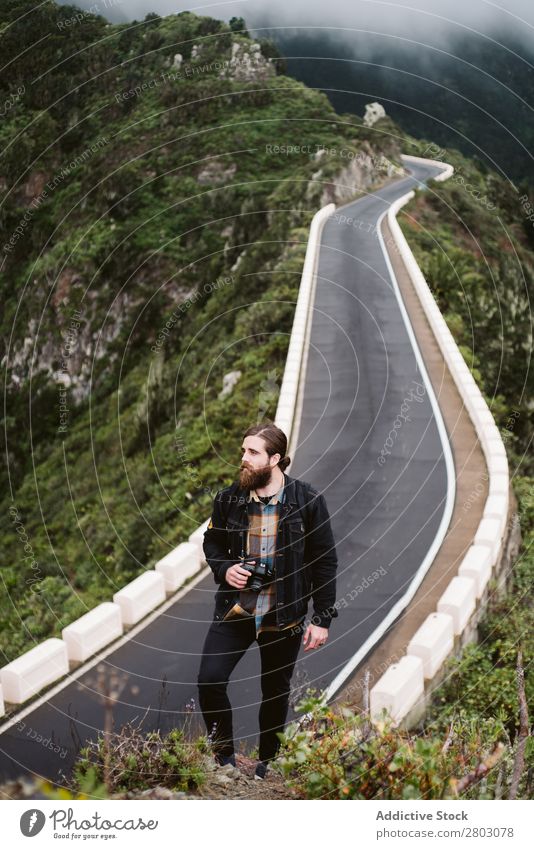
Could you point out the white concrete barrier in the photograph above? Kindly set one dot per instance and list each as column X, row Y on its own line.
column 489, row 533
column 33, row 670
column 457, row 367
column 287, row 401
column 459, row 601
column 140, row 596
column 445, row 174
column 399, row 688
column 493, row 432
column 468, row 381
column 197, row 538
column 2, row 706
column 433, row 642
column 475, row 403
column 477, row 565
column 494, row 447
column 496, row 507
column 460, row 373
column 447, row 170
column 494, row 443
column 496, row 465
column 92, row 631
column 178, row 565
column 482, row 420
column 498, row 484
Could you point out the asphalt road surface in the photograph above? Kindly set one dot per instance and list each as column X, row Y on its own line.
column 385, row 486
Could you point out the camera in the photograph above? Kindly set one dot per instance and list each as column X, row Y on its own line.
column 260, row 574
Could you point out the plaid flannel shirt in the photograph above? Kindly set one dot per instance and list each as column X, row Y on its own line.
column 261, row 546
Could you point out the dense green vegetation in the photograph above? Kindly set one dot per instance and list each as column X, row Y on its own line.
column 337, row 754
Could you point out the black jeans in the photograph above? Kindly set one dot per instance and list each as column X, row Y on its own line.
column 225, row 645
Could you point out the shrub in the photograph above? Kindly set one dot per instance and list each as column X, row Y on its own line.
column 334, row 753
column 133, row 761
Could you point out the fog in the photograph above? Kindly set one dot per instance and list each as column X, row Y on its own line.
column 430, row 20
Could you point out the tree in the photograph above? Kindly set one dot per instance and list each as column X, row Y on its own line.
column 239, row 25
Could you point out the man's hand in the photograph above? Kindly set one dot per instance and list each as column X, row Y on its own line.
column 316, row 635
column 236, row 576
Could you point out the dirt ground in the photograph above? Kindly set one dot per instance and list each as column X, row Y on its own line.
column 223, row 782
column 243, row 785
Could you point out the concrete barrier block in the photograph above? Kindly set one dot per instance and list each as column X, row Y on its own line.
column 286, row 411
column 443, row 335
column 466, row 389
column 498, row 484
column 458, row 367
column 445, row 174
column 293, row 362
column 37, row 668
column 449, row 352
column 497, row 465
column 433, row 642
column 446, row 343
column 197, row 538
column 460, row 373
column 2, row 706
column 453, row 350
column 482, row 419
column 450, row 355
column 398, row 689
column 475, row 402
column 475, row 396
column 468, row 383
column 179, row 565
column 493, row 432
column 494, row 447
column 437, row 324
column 446, row 337
column 492, row 429
column 459, row 601
column 427, row 297
column 140, row 596
column 477, row 565
column 496, row 507
column 489, row 533
column 92, row 631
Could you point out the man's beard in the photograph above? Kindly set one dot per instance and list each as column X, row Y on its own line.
column 255, row 478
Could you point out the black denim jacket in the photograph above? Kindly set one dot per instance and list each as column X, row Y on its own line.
column 305, row 561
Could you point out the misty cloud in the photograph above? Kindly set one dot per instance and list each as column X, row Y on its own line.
column 431, row 20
